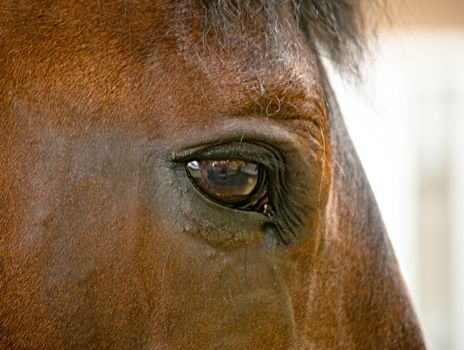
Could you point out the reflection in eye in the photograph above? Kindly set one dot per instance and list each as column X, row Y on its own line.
column 237, row 183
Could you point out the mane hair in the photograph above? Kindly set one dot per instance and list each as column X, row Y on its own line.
column 339, row 29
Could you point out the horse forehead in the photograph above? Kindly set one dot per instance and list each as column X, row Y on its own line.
column 110, row 49
column 269, row 50
column 161, row 35
column 262, row 60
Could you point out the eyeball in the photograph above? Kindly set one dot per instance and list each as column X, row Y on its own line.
column 237, row 183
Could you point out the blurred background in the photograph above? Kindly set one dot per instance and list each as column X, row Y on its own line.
column 406, row 118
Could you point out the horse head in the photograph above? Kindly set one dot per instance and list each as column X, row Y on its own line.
column 177, row 175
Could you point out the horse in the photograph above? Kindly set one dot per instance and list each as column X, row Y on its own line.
column 178, row 175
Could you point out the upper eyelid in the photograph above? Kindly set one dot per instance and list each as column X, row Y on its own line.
column 258, row 152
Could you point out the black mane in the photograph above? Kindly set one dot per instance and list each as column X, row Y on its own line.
column 338, row 27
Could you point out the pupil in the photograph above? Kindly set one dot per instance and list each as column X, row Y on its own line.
column 228, row 181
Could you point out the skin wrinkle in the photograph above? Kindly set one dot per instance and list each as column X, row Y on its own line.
column 163, row 309
column 95, row 99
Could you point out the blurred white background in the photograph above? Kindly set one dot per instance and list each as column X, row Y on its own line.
column 406, row 119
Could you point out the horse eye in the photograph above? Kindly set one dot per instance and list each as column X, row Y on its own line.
column 236, row 183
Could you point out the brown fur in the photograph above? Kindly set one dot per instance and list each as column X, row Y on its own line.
column 105, row 244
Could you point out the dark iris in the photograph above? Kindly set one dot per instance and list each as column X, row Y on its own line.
column 236, row 183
